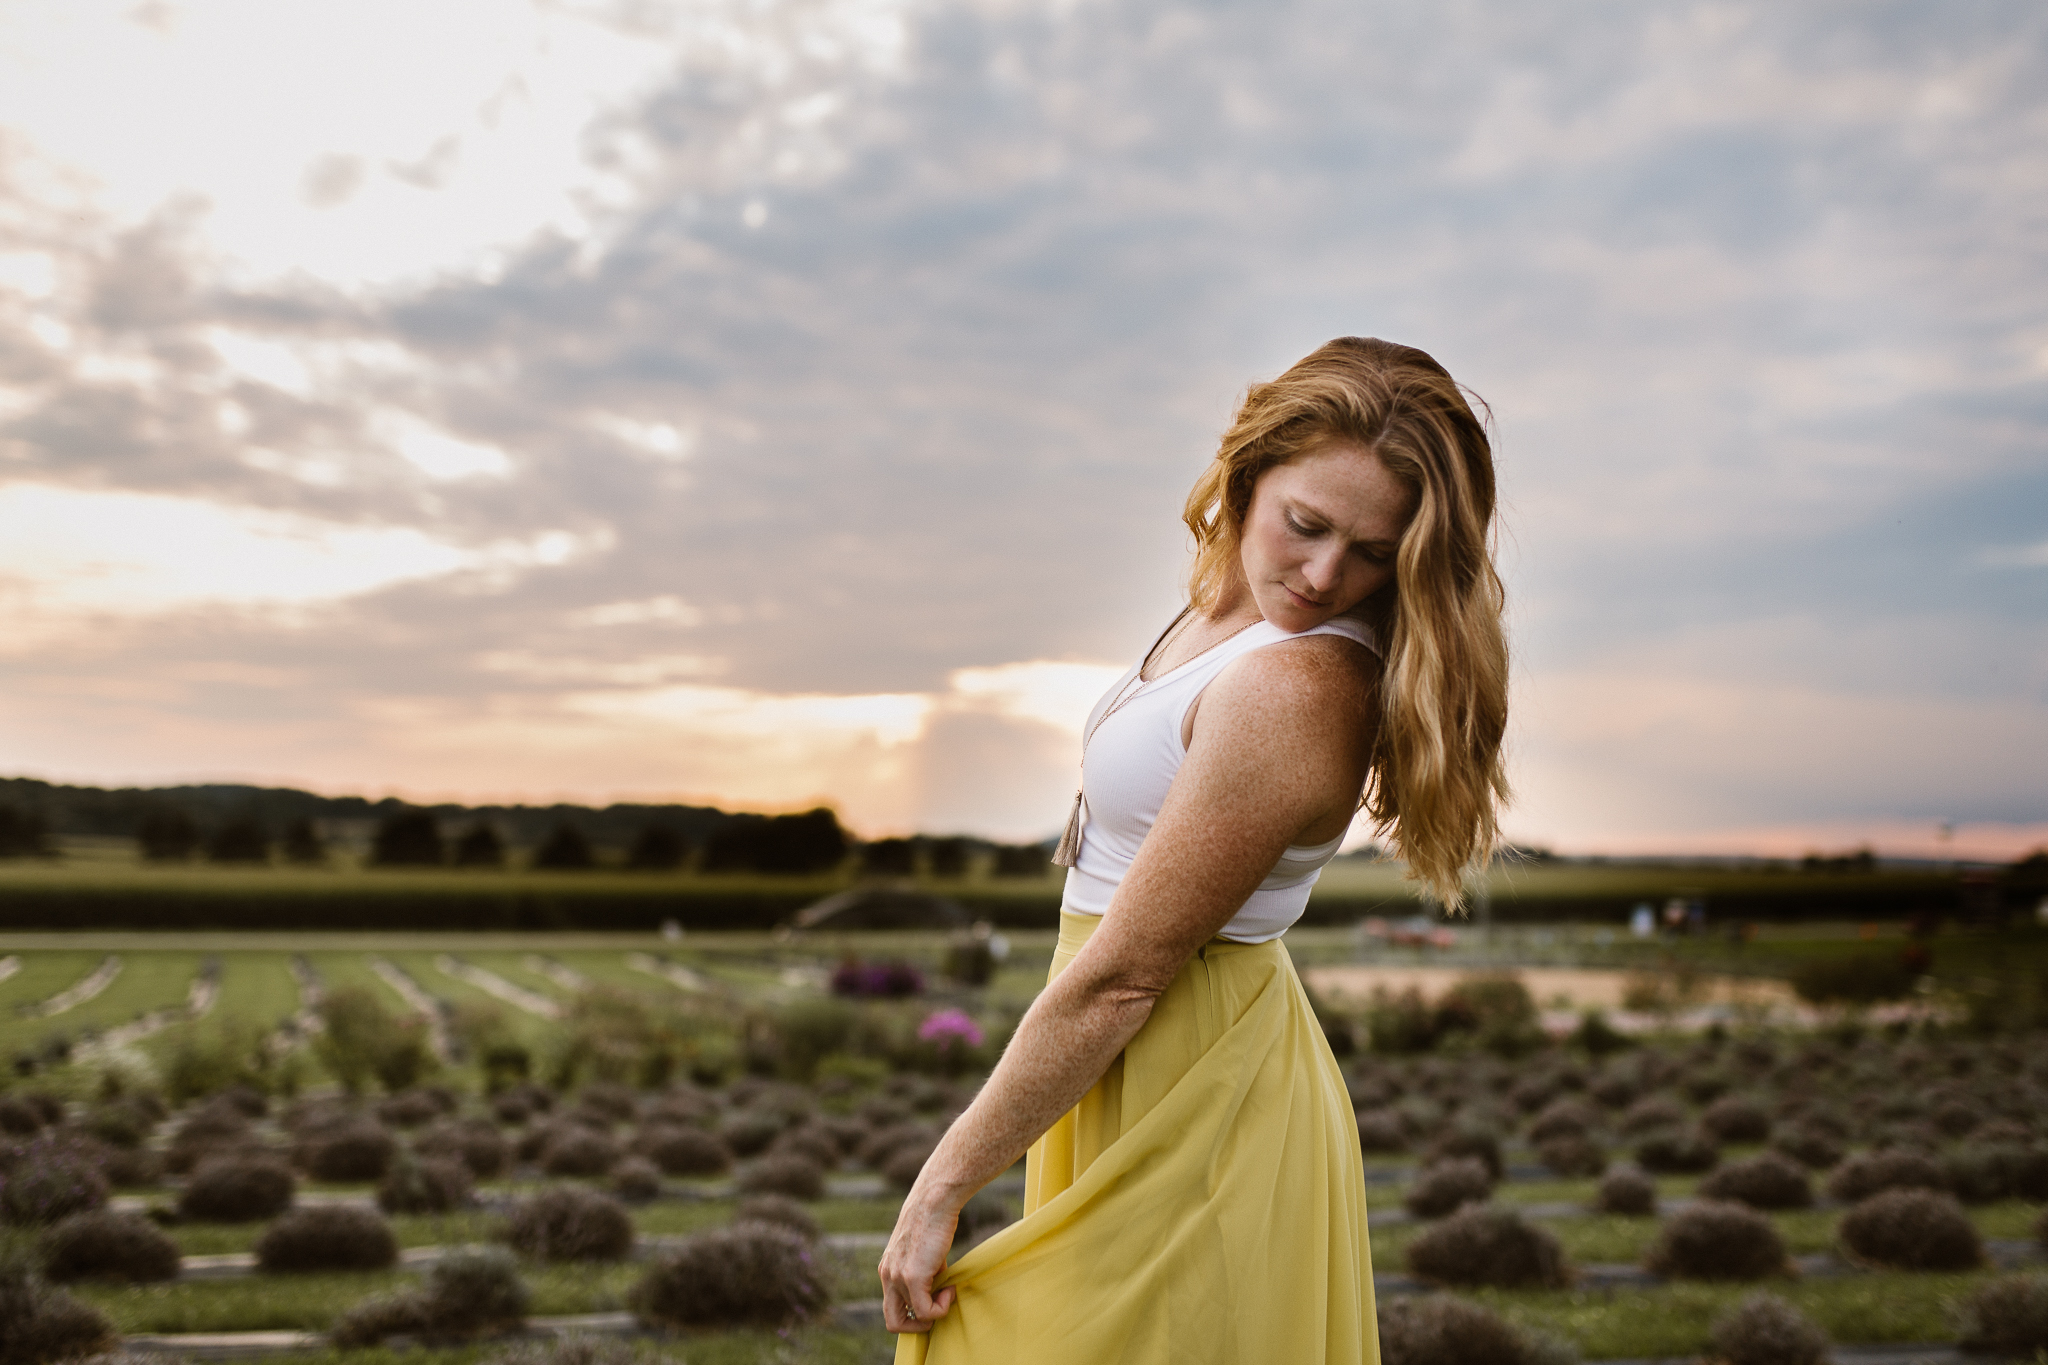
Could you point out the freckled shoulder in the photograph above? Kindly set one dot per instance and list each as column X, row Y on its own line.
column 1313, row 671
column 1319, row 681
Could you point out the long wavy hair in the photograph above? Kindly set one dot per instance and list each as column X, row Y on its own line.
column 1437, row 780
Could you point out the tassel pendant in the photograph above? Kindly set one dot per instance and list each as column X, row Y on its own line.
column 1069, row 851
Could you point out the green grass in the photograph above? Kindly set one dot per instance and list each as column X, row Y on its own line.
column 1674, row 1320
column 255, row 1303
column 148, row 981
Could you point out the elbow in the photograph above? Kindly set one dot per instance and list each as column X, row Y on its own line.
column 1125, row 992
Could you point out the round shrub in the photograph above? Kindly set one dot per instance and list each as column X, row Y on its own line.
column 682, row 1108
column 1614, row 1090
column 1380, row 1131
column 579, row 1151
column 787, row 1174
column 1677, row 1152
column 1648, row 1115
column 326, row 1237
column 238, row 1190
column 617, row 1103
column 684, row 1151
column 1811, row 1146
column 1733, row 1118
column 1488, row 1246
column 876, row 1151
column 748, row 1275
column 1979, row 1173
column 809, row 1143
column 1444, row 1187
column 1764, row 1181
column 636, row 1180
column 118, row 1125
column 1573, row 1156
column 883, row 1112
column 1564, row 1118
column 474, row 1142
column 511, row 1107
column 1628, row 1192
column 132, row 1167
column 902, row 1169
column 105, row 1245
column 782, row 1212
column 205, row 1132
column 750, row 1131
column 570, row 1223
column 357, row 1151
column 1868, row 1173
column 1717, row 1240
column 39, row 1322
column 1911, row 1229
column 1956, row 1118
column 409, row 1109
column 849, row 1134
column 52, row 1177
column 982, row 1216
column 2007, row 1317
column 425, row 1185
column 1467, row 1142
column 1765, row 1330
column 19, row 1117
column 1702, row 1086
column 469, row 1291
column 1440, row 1330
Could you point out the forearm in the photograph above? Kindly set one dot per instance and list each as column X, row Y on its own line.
column 1067, row 1039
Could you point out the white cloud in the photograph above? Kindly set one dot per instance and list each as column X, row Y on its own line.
column 138, row 554
column 436, row 453
column 1049, row 692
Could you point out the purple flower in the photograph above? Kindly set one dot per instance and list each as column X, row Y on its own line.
column 949, row 1026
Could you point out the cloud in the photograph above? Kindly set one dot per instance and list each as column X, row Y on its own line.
column 852, row 350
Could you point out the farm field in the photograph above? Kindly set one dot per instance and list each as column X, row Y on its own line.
column 541, row 1063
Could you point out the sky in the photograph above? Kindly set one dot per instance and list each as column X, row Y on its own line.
column 766, row 403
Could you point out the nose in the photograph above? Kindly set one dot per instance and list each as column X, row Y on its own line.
column 1322, row 570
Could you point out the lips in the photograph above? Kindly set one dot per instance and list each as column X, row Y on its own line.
column 1308, row 602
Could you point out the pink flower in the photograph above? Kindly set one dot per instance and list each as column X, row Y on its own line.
column 948, row 1026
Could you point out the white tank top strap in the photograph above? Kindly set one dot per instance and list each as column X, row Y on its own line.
column 1132, row 752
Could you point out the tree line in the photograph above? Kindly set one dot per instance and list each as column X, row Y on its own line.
column 173, row 825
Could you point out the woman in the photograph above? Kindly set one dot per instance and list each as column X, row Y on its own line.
column 1194, row 1188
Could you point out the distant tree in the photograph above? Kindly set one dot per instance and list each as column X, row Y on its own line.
column 566, row 850
column 239, row 841
column 1021, row 860
column 949, row 857
column 480, row 847
column 22, row 833
column 782, row 844
column 658, row 848
column 302, row 844
column 167, row 835
column 407, row 838
column 888, row 858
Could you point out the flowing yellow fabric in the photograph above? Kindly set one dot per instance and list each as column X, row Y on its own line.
column 1204, row 1204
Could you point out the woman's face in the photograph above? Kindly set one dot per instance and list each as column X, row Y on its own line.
column 1320, row 535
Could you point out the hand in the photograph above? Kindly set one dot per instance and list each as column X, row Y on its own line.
column 915, row 1256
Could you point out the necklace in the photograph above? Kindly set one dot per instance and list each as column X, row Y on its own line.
column 1069, row 851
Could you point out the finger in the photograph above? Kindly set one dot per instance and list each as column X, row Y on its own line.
column 930, row 1307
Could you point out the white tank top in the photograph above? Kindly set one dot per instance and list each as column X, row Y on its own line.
column 1129, row 762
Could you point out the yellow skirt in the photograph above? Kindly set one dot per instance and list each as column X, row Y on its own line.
column 1205, row 1201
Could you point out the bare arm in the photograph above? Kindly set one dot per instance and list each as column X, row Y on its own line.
column 1279, row 747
